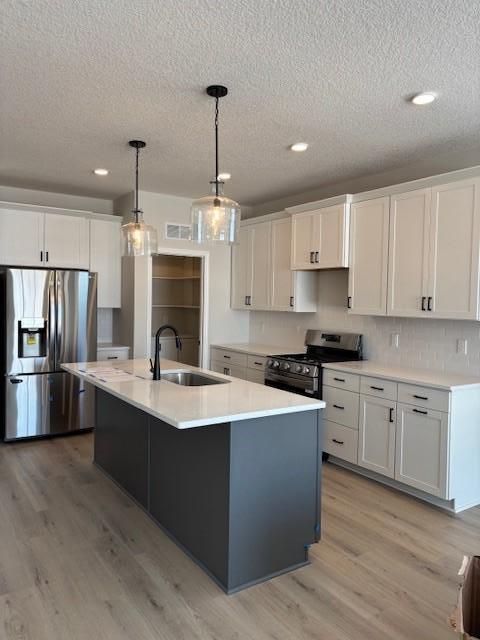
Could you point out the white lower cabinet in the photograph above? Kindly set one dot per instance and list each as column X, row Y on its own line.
column 424, row 439
column 376, row 442
column 238, row 364
column 421, row 449
column 340, row 441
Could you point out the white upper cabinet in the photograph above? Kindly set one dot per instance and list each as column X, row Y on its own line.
column 454, row 250
column 303, row 239
column 261, row 268
column 105, row 260
column 433, row 253
column 291, row 290
column 320, row 238
column 408, row 253
column 66, row 241
column 242, row 269
column 21, row 238
column 251, row 267
column 261, row 275
column 367, row 280
column 283, row 279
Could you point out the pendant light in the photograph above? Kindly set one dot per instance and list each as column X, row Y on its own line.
column 138, row 238
column 215, row 218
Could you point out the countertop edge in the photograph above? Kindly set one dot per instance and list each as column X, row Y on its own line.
column 380, row 373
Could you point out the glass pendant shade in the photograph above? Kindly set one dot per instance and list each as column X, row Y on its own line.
column 138, row 238
column 215, row 218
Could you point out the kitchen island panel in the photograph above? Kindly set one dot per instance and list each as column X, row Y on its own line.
column 121, row 444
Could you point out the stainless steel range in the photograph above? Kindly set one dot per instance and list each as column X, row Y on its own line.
column 302, row 372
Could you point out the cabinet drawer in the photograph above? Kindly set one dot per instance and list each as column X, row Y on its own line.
column 256, row 362
column 378, row 387
column 348, row 381
column 229, row 370
column 340, row 441
column 229, row 357
column 423, row 397
column 112, row 354
column 342, row 406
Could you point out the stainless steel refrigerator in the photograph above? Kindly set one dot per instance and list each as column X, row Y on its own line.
column 47, row 317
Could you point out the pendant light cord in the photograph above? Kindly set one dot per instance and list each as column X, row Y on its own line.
column 216, row 146
column 136, row 185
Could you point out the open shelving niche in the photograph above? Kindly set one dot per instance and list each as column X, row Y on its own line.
column 176, row 300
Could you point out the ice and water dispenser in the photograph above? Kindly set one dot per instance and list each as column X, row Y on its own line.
column 32, row 338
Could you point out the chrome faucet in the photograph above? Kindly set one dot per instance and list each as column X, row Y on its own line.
column 155, row 368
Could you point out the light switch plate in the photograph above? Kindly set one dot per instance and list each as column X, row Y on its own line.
column 394, row 340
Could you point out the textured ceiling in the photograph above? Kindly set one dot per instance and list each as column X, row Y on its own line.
column 79, row 78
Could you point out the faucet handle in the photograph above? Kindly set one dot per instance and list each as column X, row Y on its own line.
column 151, row 365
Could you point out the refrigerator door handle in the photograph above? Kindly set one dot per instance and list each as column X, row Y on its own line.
column 52, row 322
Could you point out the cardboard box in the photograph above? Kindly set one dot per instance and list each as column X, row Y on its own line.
column 466, row 617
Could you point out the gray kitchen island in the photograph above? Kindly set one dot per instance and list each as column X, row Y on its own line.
column 230, row 470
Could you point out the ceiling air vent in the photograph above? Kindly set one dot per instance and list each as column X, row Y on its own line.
column 178, row 231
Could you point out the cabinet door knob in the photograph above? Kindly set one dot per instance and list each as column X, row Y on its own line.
column 292, row 301
column 390, row 417
column 349, row 302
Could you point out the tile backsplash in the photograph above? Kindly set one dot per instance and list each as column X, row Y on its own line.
column 104, row 325
column 422, row 343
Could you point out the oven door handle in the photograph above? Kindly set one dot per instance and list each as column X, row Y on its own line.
column 308, row 386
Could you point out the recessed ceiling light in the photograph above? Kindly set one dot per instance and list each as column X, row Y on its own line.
column 424, row 98
column 224, row 176
column 299, row 146
column 100, row 172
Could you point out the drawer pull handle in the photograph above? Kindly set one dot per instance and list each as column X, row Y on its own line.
column 425, row 413
column 337, row 406
column 227, row 357
column 420, row 397
column 316, row 256
column 259, row 363
column 424, row 299
column 112, row 357
column 340, row 379
column 377, row 388
column 337, row 441
column 429, row 302
column 312, row 253
column 391, row 418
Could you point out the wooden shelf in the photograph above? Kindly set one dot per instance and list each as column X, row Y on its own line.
column 175, row 306
column 175, row 277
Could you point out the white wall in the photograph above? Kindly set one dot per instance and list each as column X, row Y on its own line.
column 423, row 343
column 50, row 199
column 225, row 325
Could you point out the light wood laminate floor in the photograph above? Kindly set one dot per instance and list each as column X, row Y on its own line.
column 78, row 560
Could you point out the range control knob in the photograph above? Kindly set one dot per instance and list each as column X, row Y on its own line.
column 269, row 363
column 275, row 364
column 298, row 368
column 306, row 370
column 286, row 366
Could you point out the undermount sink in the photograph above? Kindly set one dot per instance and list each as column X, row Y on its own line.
column 191, row 378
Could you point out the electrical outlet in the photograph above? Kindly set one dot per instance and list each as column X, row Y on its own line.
column 462, row 346
column 394, row 340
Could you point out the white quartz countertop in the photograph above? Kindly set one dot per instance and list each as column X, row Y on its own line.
column 425, row 377
column 103, row 346
column 256, row 349
column 187, row 407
